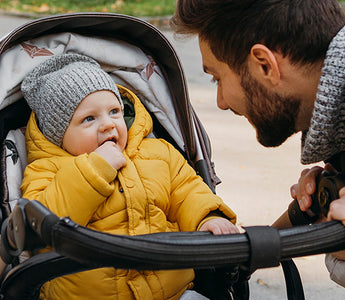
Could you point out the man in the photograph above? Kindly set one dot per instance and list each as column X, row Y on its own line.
column 280, row 64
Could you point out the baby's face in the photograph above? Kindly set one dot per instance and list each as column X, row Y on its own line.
column 97, row 119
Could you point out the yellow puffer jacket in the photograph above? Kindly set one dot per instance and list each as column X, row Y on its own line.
column 157, row 191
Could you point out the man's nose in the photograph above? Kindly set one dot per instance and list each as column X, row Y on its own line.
column 220, row 100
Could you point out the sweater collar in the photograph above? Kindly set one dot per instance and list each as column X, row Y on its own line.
column 326, row 134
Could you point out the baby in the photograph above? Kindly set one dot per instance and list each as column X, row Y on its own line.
column 86, row 164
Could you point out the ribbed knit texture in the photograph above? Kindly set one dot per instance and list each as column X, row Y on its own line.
column 54, row 89
column 326, row 134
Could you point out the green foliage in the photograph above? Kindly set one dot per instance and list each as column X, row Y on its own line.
column 130, row 7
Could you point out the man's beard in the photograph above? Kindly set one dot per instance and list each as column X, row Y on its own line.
column 272, row 115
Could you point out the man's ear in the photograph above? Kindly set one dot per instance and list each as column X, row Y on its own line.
column 263, row 64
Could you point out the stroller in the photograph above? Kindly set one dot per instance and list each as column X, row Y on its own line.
column 223, row 264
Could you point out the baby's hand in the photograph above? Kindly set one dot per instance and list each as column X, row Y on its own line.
column 219, row 226
column 112, row 154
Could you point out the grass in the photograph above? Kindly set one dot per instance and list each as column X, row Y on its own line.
column 139, row 8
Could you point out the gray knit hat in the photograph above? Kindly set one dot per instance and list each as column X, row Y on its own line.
column 54, row 89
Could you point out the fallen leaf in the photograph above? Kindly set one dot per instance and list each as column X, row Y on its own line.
column 261, row 282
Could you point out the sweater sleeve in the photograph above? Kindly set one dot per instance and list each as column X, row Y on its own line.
column 74, row 187
column 191, row 199
column 336, row 269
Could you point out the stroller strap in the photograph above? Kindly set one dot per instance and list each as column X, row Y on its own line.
column 265, row 247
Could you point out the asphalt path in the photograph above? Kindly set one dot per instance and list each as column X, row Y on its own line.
column 255, row 180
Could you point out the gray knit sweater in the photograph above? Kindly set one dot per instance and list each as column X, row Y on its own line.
column 326, row 134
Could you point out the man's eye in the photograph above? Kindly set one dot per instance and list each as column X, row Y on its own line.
column 88, row 119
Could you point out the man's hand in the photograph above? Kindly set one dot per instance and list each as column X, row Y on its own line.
column 337, row 208
column 305, row 187
column 111, row 152
column 219, row 226
column 302, row 191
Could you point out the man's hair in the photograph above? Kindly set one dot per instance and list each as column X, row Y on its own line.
column 298, row 29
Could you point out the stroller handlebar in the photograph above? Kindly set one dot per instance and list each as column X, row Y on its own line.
column 173, row 250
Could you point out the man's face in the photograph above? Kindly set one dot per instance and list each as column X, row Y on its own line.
column 273, row 116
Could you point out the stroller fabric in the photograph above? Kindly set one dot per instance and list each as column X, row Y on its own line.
column 16, row 162
column 127, row 64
